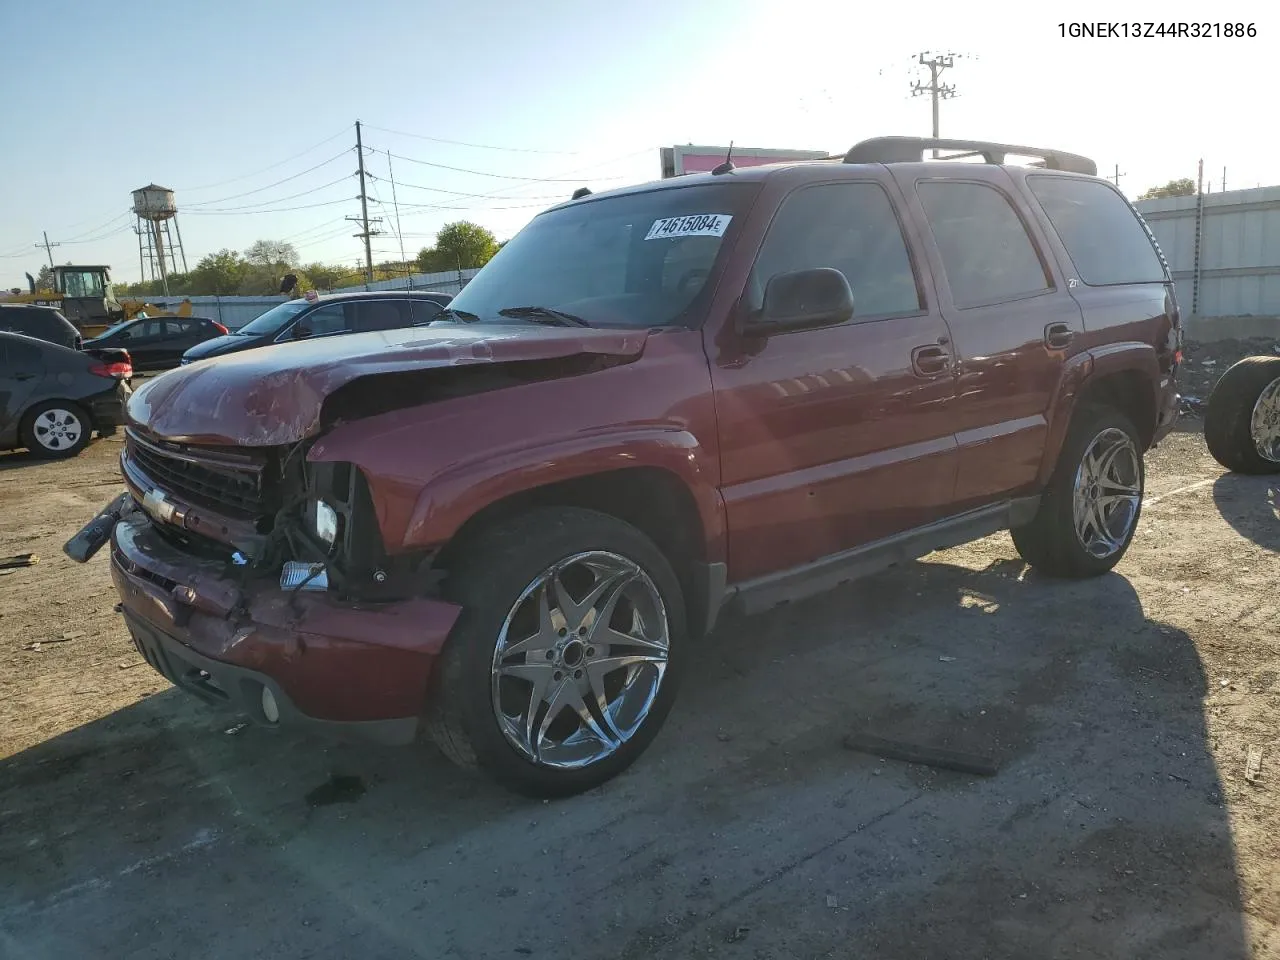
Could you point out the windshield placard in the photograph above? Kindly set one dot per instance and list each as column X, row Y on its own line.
column 693, row 225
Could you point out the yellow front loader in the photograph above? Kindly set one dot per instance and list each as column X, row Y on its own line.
column 85, row 296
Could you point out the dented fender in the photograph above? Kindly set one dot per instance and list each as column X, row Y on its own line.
column 467, row 488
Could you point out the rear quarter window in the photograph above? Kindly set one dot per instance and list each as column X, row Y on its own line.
column 1102, row 234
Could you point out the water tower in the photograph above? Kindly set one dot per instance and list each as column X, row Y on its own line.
column 157, row 253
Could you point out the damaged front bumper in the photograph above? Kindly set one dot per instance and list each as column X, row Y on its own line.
column 359, row 669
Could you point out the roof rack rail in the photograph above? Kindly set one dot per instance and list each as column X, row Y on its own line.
column 912, row 150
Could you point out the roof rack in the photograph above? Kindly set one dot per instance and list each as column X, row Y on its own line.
column 912, row 150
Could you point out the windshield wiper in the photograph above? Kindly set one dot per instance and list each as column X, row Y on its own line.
column 544, row 315
column 448, row 313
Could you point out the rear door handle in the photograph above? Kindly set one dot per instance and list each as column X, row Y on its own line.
column 930, row 360
column 1058, row 335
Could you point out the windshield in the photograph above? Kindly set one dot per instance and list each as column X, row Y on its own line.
column 637, row 260
column 274, row 319
column 117, row 327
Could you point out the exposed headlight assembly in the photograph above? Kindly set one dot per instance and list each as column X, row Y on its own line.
column 324, row 522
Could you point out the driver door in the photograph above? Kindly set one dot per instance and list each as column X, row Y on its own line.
column 834, row 437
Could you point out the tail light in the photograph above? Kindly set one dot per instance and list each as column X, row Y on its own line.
column 119, row 369
column 219, row 327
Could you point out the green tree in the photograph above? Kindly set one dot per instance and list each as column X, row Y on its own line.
column 218, row 273
column 272, row 253
column 322, row 277
column 1186, row 187
column 463, row 245
column 44, row 279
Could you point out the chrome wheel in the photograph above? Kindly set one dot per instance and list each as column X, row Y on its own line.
column 579, row 660
column 57, row 429
column 1107, row 492
column 1264, row 424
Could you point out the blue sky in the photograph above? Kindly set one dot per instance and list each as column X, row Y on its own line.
column 221, row 101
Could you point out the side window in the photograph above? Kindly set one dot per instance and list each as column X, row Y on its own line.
column 20, row 358
column 848, row 226
column 325, row 320
column 986, row 252
column 16, row 321
column 149, row 328
column 380, row 315
column 1103, row 236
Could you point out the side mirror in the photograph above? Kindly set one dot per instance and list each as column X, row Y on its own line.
column 803, row 300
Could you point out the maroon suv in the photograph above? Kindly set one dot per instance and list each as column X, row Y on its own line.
column 507, row 528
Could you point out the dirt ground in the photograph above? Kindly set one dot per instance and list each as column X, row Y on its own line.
column 136, row 823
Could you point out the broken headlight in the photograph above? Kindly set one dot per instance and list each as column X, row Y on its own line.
column 324, row 522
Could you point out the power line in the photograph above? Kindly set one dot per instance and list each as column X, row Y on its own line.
column 464, row 143
column 460, row 193
column 247, row 193
column 500, row 176
column 236, row 212
column 292, row 196
column 278, row 163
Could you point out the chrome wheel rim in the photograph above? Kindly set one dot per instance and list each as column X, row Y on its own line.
column 1264, row 424
column 57, row 429
column 579, row 660
column 1108, row 493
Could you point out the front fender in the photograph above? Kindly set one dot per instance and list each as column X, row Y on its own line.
column 455, row 495
column 1078, row 372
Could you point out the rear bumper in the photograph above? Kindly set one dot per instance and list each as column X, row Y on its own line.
column 107, row 409
column 344, row 669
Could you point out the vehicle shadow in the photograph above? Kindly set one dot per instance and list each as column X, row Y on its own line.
column 18, row 459
column 1103, row 834
column 1251, row 505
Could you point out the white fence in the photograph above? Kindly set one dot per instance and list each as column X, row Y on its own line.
column 1230, row 266
column 234, row 312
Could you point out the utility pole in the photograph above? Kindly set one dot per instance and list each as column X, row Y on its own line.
column 363, row 220
column 48, row 247
column 1117, row 175
column 937, row 91
column 1224, row 179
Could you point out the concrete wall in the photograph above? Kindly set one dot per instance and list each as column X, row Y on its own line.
column 1239, row 250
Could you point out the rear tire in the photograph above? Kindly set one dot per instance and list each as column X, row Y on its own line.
column 1242, row 422
column 1089, row 511
column 516, row 675
column 56, row 430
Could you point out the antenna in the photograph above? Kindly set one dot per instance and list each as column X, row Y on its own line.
column 580, row 193
column 727, row 166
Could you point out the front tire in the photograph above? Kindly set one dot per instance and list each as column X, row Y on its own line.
column 1089, row 511
column 55, row 430
column 566, row 657
column 1242, row 422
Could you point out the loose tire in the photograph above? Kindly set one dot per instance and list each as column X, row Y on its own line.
column 566, row 657
column 55, row 430
column 1090, row 509
column 1242, row 422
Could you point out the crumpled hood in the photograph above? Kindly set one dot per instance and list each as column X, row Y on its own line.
column 273, row 395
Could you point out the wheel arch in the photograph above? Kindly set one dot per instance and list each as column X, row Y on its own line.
column 654, row 500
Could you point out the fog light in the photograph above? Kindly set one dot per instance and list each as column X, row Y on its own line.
column 270, row 709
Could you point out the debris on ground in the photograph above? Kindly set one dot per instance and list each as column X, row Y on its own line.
column 1206, row 361
column 1253, row 764
column 19, row 560
column 65, row 638
column 947, row 659
column 929, row 756
column 236, row 728
column 739, row 934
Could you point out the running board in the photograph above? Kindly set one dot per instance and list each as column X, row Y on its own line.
column 818, row 576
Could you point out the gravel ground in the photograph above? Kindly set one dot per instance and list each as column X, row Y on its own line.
column 136, row 823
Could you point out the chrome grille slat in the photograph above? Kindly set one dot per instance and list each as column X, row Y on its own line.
column 214, row 483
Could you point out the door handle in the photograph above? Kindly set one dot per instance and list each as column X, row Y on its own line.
column 24, row 376
column 1058, row 335
column 930, row 360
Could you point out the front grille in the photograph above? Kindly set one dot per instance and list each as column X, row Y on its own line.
column 224, row 483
